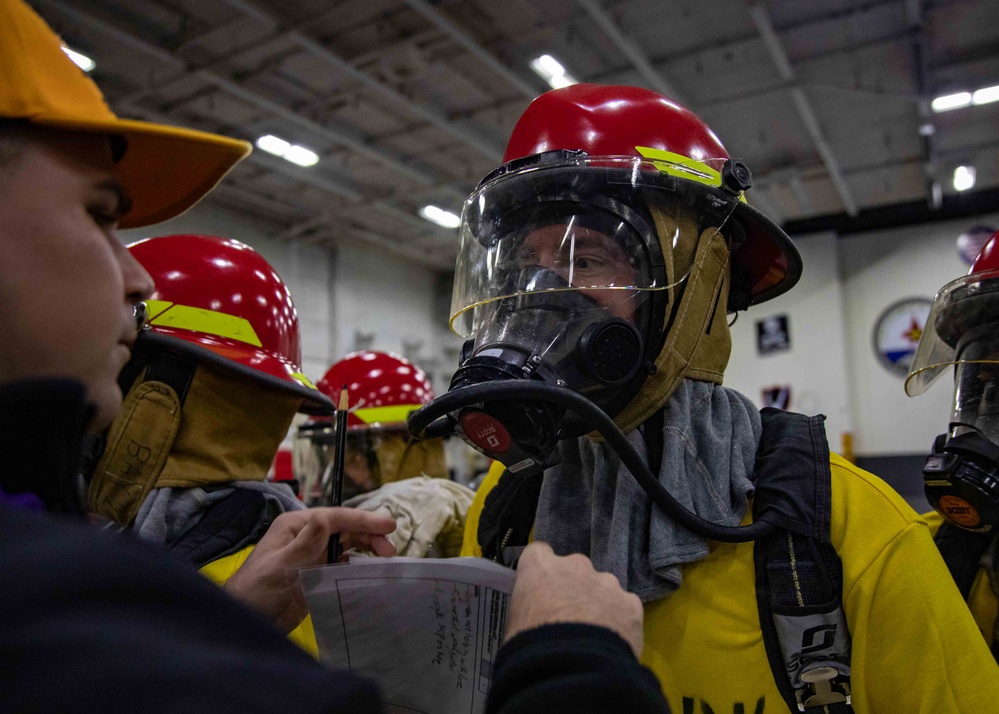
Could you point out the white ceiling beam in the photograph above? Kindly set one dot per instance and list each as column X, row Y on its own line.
column 804, row 107
column 430, row 13
column 487, row 145
column 630, row 49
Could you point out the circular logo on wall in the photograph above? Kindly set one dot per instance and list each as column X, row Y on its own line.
column 897, row 332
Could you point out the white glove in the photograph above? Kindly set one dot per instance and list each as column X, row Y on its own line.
column 429, row 513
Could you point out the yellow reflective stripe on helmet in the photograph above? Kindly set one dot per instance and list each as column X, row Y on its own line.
column 394, row 413
column 303, row 379
column 681, row 166
column 196, row 319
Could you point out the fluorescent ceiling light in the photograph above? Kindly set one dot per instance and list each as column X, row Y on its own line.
column 273, row 145
column 300, row 155
column 294, row 153
column 986, row 95
column 440, row 216
column 964, row 178
column 79, row 59
column 951, row 101
column 552, row 71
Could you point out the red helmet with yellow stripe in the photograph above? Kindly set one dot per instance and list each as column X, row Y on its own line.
column 382, row 388
column 632, row 121
column 220, row 300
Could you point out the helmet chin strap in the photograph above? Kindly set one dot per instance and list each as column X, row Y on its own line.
column 480, row 406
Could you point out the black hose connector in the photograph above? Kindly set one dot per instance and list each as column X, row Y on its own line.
column 430, row 420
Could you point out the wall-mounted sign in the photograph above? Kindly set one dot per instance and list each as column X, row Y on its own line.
column 778, row 396
column 971, row 242
column 773, row 335
column 897, row 332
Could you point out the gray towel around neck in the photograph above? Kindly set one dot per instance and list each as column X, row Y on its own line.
column 710, row 438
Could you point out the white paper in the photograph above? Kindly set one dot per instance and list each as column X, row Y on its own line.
column 427, row 631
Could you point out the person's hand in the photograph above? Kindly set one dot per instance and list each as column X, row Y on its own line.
column 268, row 580
column 552, row 588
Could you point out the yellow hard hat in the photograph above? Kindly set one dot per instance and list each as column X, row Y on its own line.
column 165, row 169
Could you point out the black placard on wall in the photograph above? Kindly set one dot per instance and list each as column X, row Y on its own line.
column 773, row 335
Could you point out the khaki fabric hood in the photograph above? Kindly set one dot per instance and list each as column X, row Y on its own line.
column 697, row 344
column 228, row 429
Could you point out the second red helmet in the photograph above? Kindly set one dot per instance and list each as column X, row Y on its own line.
column 219, row 299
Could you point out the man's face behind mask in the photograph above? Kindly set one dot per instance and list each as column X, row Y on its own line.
column 586, row 259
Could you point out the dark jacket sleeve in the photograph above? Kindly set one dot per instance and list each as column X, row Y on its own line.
column 95, row 622
column 576, row 668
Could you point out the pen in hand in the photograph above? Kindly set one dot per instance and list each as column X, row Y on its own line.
column 336, row 491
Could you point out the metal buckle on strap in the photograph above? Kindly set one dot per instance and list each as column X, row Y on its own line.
column 821, row 681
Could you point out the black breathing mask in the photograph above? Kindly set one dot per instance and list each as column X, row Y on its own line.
column 961, row 480
column 554, row 334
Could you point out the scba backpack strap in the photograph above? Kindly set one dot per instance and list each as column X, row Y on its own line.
column 799, row 576
column 964, row 552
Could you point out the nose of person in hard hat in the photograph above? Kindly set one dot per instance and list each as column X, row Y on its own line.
column 69, row 287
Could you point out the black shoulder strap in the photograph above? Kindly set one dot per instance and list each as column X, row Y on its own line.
column 507, row 516
column 228, row 526
column 799, row 580
column 962, row 550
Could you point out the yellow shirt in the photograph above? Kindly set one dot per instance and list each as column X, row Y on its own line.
column 916, row 648
column 983, row 602
column 219, row 571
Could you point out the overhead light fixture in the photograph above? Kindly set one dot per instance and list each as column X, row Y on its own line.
column 441, row 217
column 985, row 95
column 958, row 100
column 964, row 178
column 80, row 59
column 294, row 153
column 552, row 71
column 951, row 101
column 927, row 129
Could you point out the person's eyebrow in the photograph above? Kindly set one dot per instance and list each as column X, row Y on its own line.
column 123, row 200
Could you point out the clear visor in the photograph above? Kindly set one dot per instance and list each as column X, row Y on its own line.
column 599, row 225
column 373, row 457
column 959, row 307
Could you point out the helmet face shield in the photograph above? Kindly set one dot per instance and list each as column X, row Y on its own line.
column 373, row 457
column 953, row 335
column 595, row 225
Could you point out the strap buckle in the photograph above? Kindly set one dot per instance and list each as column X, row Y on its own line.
column 824, row 688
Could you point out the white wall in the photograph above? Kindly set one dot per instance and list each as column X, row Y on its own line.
column 814, row 366
column 876, row 270
column 393, row 304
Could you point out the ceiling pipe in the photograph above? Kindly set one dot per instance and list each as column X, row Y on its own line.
column 343, row 136
column 490, row 147
column 804, row 107
column 629, row 48
column 430, row 13
column 920, row 53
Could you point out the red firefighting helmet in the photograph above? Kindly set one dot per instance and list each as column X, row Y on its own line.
column 220, row 300
column 963, row 324
column 630, row 121
column 382, row 388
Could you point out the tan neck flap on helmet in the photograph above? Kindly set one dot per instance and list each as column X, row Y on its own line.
column 229, row 430
column 698, row 343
